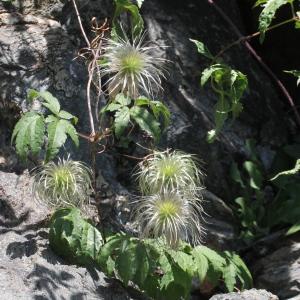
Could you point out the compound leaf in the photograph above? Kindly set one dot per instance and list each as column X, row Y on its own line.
column 29, row 134
column 202, row 49
column 122, row 118
column 267, row 15
column 146, row 121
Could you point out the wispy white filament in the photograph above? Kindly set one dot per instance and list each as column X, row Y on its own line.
column 133, row 67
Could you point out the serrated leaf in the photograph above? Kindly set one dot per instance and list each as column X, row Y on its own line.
column 207, row 73
column 229, row 275
column 122, row 118
column 58, row 130
column 158, row 109
column 267, row 15
column 212, row 256
column 293, row 171
column 29, row 134
column 126, row 264
column 111, row 107
column 143, row 264
column 67, row 116
column 254, row 174
column 51, row 102
column 71, row 131
column 201, row 264
column 122, row 99
column 295, row 228
column 146, row 121
column 73, row 238
column 136, row 19
column 108, row 249
column 91, row 241
column 202, row 49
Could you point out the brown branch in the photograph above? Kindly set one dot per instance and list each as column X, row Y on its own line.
column 258, row 58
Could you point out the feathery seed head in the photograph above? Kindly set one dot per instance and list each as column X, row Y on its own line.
column 171, row 215
column 62, row 184
column 169, row 170
column 133, row 66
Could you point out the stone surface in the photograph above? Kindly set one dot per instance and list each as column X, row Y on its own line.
column 28, row 267
column 40, row 39
column 279, row 272
column 252, row 294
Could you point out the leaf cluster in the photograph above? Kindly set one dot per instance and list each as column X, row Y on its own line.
column 159, row 271
column 74, row 238
column 267, row 15
column 257, row 214
column 142, row 111
column 35, row 130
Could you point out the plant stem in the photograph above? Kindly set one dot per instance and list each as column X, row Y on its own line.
column 258, row 58
column 249, row 37
column 91, row 118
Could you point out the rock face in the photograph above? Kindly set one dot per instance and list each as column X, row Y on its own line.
column 28, row 267
column 252, row 294
column 39, row 40
column 279, row 272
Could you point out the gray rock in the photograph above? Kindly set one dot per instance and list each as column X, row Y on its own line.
column 252, row 294
column 28, row 267
column 279, row 272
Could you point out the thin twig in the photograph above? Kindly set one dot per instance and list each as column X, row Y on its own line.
column 80, row 24
column 259, row 59
column 91, row 118
column 250, row 36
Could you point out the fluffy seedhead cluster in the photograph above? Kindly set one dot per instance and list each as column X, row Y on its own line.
column 63, row 184
column 133, row 67
column 171, row 215
column 171, row 203
column 167, row 170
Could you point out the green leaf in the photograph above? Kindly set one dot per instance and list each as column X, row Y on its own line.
column 267, row 15
column 297, row 22
column 58, row 130
column 29, row 134
column 32, row 94
column 260, row 2
column 295, row 228
column 293, row 171
column 229, row 275
column 221, row 113
column 296, row 73
column 122, row 99
column 143, row 264
column 158, row 109
column 137, row 23
column 111, row 107
column 146, row 121
column 112, row 244
column 73, row 238
column 201, row 264
column 126, row 264
column 51, row 102
column 207, row 73
column 236, row 175
column 67, row 116
column 202, row 49
column 122, row 118
column 254, row 173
